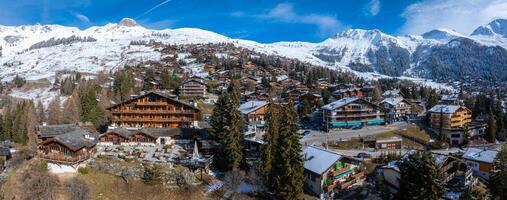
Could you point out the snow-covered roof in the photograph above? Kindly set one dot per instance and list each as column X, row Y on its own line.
column 448, row 109
column 451, row 97
column 481, row 155
column 391, row 92
column 392, row 139
column 319, row 160
column 339, row 103
column 251, row 106
column 392, row 101
column 282, row 77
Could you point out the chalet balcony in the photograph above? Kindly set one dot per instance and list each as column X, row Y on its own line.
column 157, row 103
column 58, row 158
column 152, row 111
column 355, row 115
column 150, row 120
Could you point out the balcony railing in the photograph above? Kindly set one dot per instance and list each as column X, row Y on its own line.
column 65, row 159
column 147, row 103
column 150, row 120
column 152, row 111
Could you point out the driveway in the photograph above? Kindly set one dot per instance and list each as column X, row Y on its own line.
column 319, row 137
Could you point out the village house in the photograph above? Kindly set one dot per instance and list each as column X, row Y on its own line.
column 396, row 108
column 347, row 92
column 480, row 161
column 451, row 99
column 322, row 83
column 327, row 172
column 393, row 143
column 66, row 144
column 452, row 120
column 351, row 112
column 257, row 95
column 395, row 93
column 449, row 165
column 418, row 107
column 153, row 110
column 193, row 87
column 315, row 100
column 209, row 68
column 253, row 113
column 6, row 153
column 136, row 137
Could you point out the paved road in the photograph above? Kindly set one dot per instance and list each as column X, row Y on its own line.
column 376, row 154
column 319, row 137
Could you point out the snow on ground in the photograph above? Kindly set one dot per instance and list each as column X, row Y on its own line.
column 59, row 169
column 45, row 95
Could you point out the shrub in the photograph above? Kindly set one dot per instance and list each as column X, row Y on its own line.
column 83, row 170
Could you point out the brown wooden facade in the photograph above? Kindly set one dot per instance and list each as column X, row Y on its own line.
column 54, row 150
column 153, row 110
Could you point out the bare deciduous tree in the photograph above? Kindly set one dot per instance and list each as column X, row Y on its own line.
column 77, row 189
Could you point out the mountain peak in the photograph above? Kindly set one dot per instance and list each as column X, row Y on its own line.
column 495, row 27
column 441, row 34
column 128, row 22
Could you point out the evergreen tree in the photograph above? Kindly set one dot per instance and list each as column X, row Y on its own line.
column 227, row 127
column 270, row 138
column 305, row 109
column 491, row 129
column 234, row 129
column 325, row 96
column 467, row 135
column 381, row 187
column 219, row 116
column 19, row 81
column 90, row 108
column 288, row 164
column 498, row 183
column 420, row 178
column 123, row 84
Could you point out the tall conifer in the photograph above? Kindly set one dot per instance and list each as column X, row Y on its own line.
column 288, row 162
column 270, row 139
column 420, row 178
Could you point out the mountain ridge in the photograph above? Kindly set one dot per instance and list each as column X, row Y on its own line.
column 364, row 52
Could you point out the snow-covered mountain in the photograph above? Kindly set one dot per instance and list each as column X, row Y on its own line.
column 38, row 51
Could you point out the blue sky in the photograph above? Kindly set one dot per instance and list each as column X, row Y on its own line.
column 262, row 20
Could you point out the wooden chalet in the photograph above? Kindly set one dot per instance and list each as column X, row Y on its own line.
column 193, row 87
column 153, row 110
column 66, row 144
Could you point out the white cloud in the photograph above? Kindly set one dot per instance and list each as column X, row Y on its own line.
column 373, row 8
column 82, row 18
column 462, row 16
column 284, row 12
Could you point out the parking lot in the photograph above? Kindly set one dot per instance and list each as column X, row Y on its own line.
column 319, row 137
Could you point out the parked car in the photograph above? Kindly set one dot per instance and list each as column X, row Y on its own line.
column 363, row 155
column 305, row 133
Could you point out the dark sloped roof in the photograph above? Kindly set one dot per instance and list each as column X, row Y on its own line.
column 78, row 139
column 172, row 132
column 155, row 93
column 121, row 131
column 4, row 151
column 54, row 130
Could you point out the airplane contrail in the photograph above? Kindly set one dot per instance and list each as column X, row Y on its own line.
column 151, row 9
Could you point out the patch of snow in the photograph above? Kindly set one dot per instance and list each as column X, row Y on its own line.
column 59, row 169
